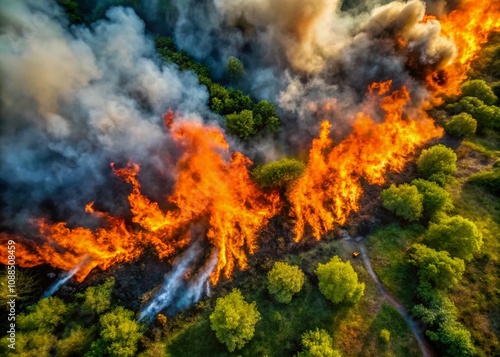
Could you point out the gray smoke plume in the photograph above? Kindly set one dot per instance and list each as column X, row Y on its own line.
column 303, row 54
column 75, row 98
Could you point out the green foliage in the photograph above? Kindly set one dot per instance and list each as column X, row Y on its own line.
column 72, row 10
column 479, row 89
column 285, row 280
column 457, row 235
column 317, row 343
column 339, row 282
column 437, row 163
column 98, row 298
column 462, row 124
column 244, row 118
column 233, row 320
column 436, row 267
column 242, row 124
column 385, row 336
column 404, row 201
column 489, row 180
column 33, row 344
column 74, row 344
column 279, row 173
column 44, row 316
column 435, row 198
column 26, row 284
column 234, row 69
column 265, row 117
column 451, row 336
column 487, row 116
column 119, row 333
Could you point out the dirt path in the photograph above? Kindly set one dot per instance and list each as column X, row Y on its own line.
column 424, row 348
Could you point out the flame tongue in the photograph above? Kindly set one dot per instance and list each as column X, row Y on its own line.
column 468, row 26
column 208, row 188
column 330, row 189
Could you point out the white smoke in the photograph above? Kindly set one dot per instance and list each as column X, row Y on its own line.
column 64, row 278
column 75, row 98
column 178, row 292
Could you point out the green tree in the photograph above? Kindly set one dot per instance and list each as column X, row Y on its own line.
column 75, row 343
column 437, row 163
column 98, row 298
column 44, row 316
column 457, row 235
column 487, row 116
column 339, row 282
column 436, row 267
column 462, row 124
column 479, row 89
column 285, row 280
column 241, row 125
column 119, row 334
column 233, row 320
column 317, row 343
column 265, row 117
column 385, row 336
column 234, row 69
column 279, row 173
column 404, row 201
column 435, row 198
column 33, row 344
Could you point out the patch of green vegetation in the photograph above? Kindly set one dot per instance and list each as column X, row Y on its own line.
column 387, row 249
column 245, row 118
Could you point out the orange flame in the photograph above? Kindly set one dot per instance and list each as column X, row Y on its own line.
column 468, row 26
column 212, row 189
column 331, row 187
column 209, row 189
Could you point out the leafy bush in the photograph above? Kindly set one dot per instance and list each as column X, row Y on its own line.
column 234, row 69
column 119, row 334
column 487, row 116
column 461, row 125
column 233, row 320
column 285, row 280
column 242, row 124
column 457, row 235
column 435, row 198
column 385, row 336
column 437, row 163
column 44, row 316
column 404, row 201
column 339, row 282
column 479, row 89
column 489, row 180
column 98, row 298
column 279, row 173
column 436, row 267
column 317, row 343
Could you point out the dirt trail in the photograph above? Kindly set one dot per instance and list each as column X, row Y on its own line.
column 424, row 348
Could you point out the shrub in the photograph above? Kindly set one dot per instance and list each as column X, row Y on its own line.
column 437, row 163
column 461, row 125
column 284, row 281
column 457, row 235
column 317, row 343
column 339, row 282
column 241, row 125
column 489, row 180
column 385, row 336
column 436, row 267
column 233, row 320
column 479, row 89
column 279, row 173
column 404, row 201
column 435, row 198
